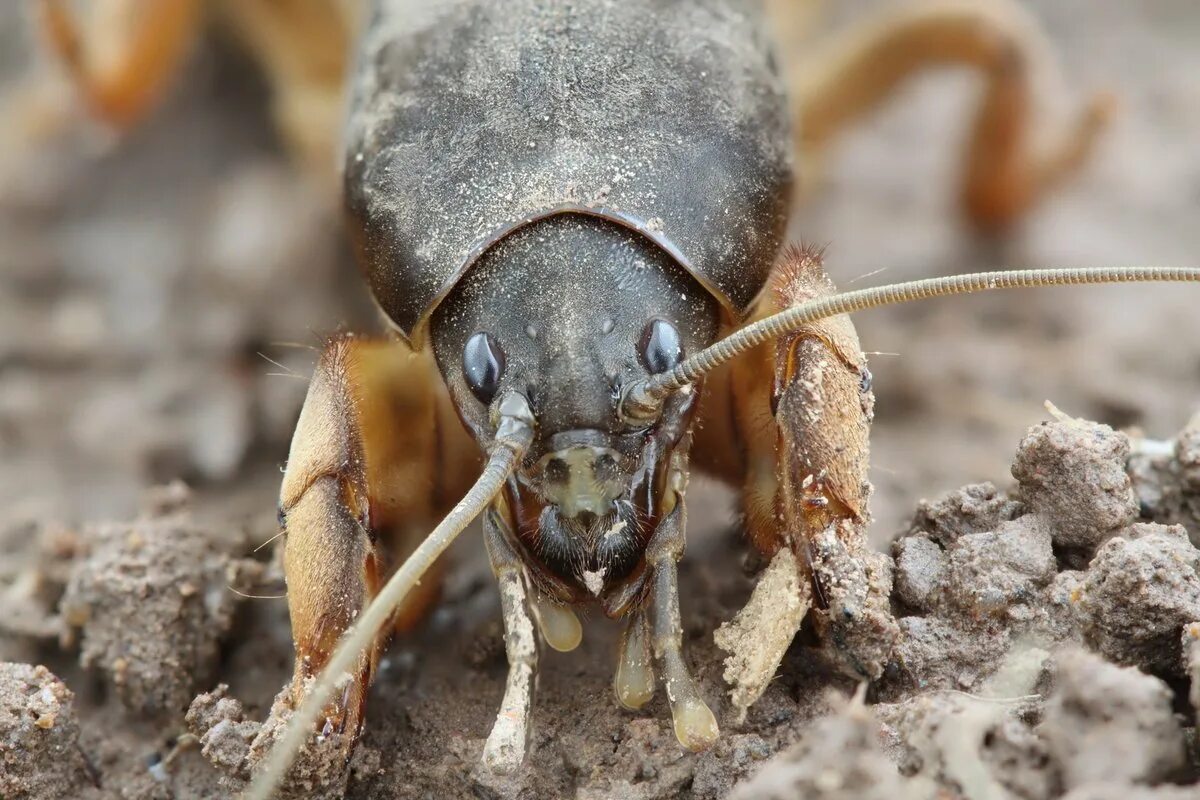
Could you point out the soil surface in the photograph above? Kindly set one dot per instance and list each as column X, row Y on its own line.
column 159, row 298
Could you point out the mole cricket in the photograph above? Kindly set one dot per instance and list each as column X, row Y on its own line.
column 571, row 215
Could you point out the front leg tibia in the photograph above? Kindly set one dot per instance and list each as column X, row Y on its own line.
column 332, row 573
column 330, row 560
column 823, row 411
column 804, row 407
column 372, row 465
column 823, row 418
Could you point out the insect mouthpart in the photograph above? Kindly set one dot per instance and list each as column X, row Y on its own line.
column 582, row 478
column 589, row 529
column 594, row 552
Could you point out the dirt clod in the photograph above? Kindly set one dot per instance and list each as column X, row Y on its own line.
column 237, row 746
column 1072, row 475
column 38, row 560
column 224, row 732
column 970, row 593
column 1000, row 572
column 1142, row 588
column 319, row 771
column 1110, row 725
column 153, row 599
column 976, row 744
column 976, row 508
column 920, row 572
column 938, row 653
column 39, row 737
column 838, row 758
column 1187, row 455
column 1166, row 478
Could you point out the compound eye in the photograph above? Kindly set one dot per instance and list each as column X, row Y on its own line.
column 483, row 366
column 660, row 348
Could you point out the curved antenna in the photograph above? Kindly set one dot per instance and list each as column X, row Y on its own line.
column 643, row 400
column 513, row 437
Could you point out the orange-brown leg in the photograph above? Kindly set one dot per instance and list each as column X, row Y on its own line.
column 124, row 54
column 1014, row 156
column 801, row 412
column 127, row 52
column 303, row 47
column 373, row 462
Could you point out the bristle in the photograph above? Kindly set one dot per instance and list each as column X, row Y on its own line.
column 799, row 270
column 804, row 252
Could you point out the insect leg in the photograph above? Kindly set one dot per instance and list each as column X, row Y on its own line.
column 802, row 406
column 695, row 725
column 506, row 744
column 633, row 683
column 303, row 47
column 1015, row 154
column 365, row 480
column 145, row 42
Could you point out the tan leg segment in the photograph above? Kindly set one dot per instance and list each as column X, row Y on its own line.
column 506, row 745
column 695, row 725
column 123, row 55
column 803, row 407
column 360, row 490
column 127, row 54
column 1012, row 158
column 303, row 47
column 633, row 683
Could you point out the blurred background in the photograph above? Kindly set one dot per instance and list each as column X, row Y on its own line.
column 150, row 281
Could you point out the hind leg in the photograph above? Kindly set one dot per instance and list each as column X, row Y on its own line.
column 124, row 57
column 125, row 53
column 303, row 47
column 1014, row 156
column 800, row 409
column 366, row 479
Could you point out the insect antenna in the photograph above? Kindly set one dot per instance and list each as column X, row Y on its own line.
column 513, row 437
column 643, row 399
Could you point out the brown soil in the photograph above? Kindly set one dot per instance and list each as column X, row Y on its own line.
column 140, row 279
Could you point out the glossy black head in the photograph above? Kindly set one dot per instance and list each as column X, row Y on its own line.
column 568, row 311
